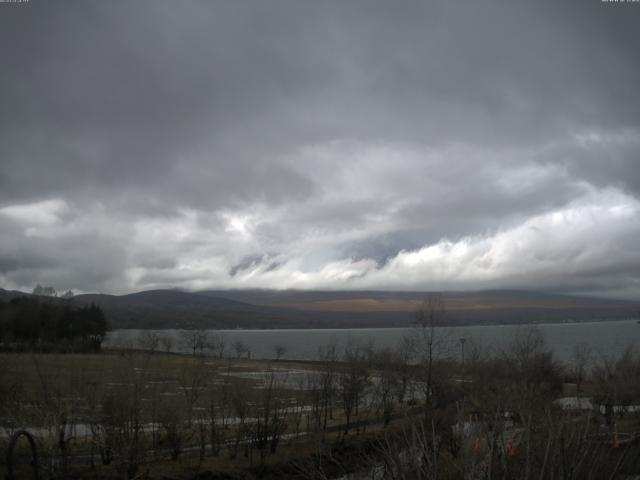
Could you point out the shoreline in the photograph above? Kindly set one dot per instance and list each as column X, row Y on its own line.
column 394, row 327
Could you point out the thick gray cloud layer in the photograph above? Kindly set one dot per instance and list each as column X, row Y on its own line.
column 413, row 145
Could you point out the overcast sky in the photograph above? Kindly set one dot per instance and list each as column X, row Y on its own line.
column 320, row 144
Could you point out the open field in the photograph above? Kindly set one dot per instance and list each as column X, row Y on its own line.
column 176, row 395
column 144, row 414
column 35, row 371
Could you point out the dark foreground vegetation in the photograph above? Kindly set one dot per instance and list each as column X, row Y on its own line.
column 46, row 324
column 435, row 407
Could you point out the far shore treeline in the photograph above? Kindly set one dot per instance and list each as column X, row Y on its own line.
column 50, row 325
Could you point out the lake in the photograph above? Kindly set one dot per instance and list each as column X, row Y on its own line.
column 606, row 338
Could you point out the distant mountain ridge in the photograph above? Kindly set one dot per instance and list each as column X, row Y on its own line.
column 408, row 301
column 338, row 309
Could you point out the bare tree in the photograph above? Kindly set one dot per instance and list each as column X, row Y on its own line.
column 405, row 385
column 241, row 407
column 530, row 361
column 218, row 410
column 167, row 343
column 240, row 348
column 314, row 399
column 271, row 421
column 192, row 379
column 217, row 344
column 122, row 424
column 581, row 363
column 195, row 340
column 427, row 342
column 56, row 412
column 386, row 385
column 354, row 378
column 616, row 383
column 172, row 424
column 328, row 378
column 299, row 405
column 148, row 341
column 279, row 351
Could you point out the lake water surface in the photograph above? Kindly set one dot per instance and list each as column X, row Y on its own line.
column 605, row 338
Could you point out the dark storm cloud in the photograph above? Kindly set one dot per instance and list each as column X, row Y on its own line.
column 251, row 262
column 61, row 259
column 287, row 143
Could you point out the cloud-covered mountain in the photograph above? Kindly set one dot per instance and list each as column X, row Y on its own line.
column 228, row 309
